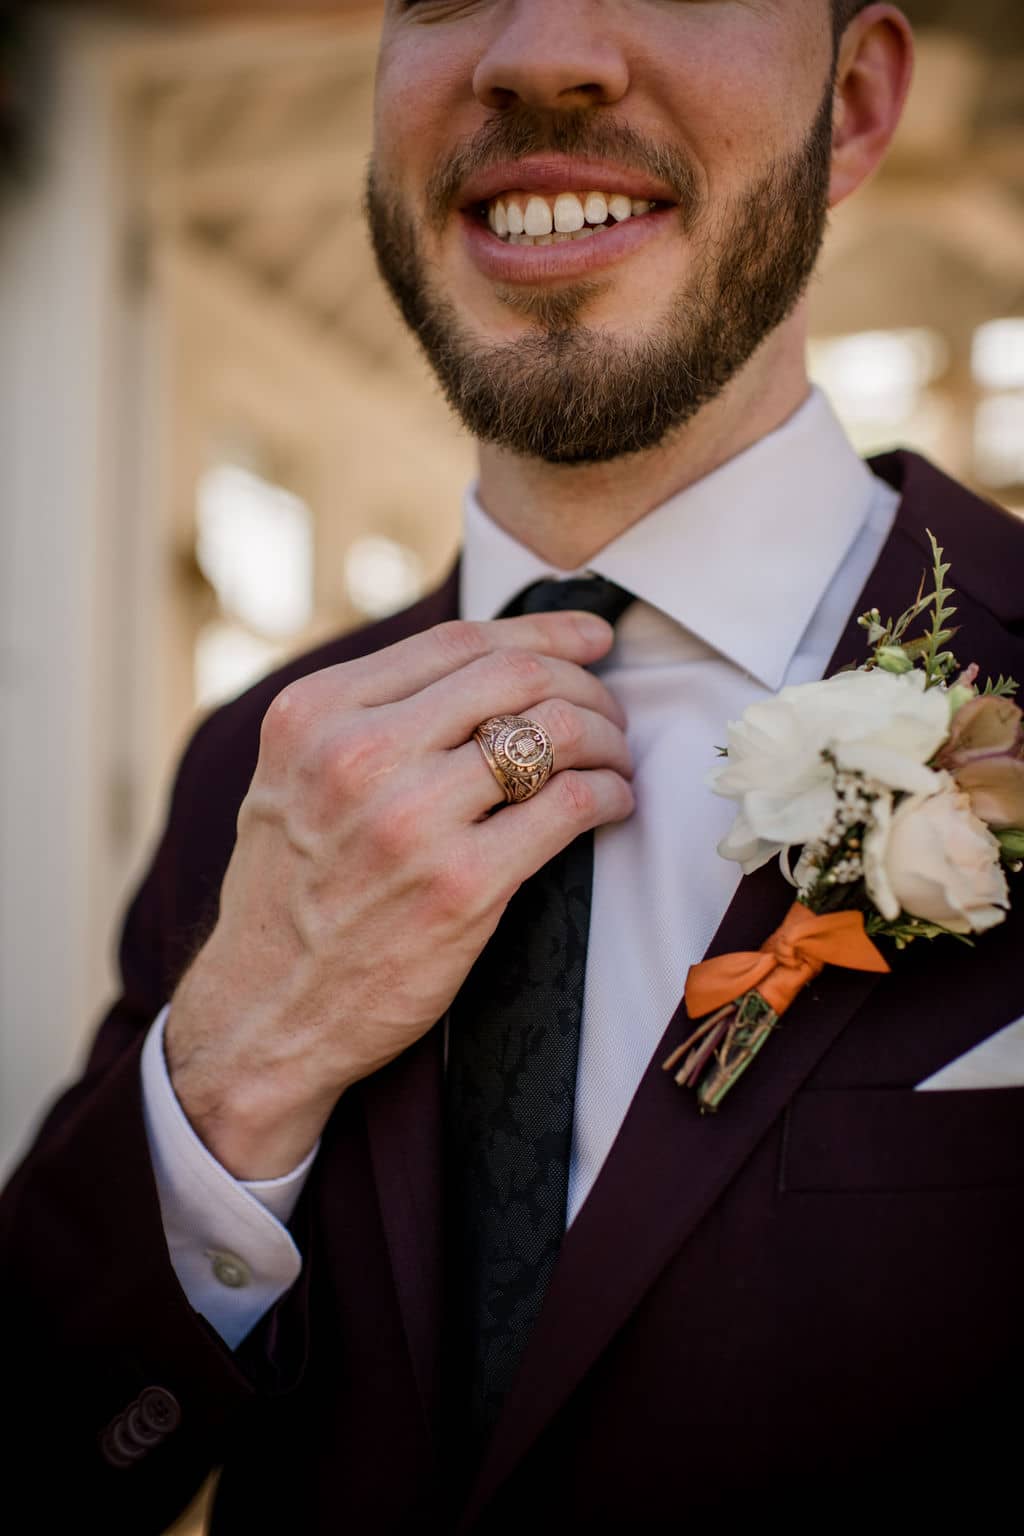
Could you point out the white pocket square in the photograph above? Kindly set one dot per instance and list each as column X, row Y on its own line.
column 997, row 1062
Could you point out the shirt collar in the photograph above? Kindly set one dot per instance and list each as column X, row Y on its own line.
column 741, row 559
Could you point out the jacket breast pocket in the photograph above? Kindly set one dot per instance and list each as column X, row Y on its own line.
column 859, row 1140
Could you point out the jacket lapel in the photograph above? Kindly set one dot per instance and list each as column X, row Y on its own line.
column 669, row 1164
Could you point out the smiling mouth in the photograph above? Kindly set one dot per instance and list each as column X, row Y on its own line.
column 530, row 218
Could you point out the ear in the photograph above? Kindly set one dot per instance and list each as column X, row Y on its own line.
column 876, row 57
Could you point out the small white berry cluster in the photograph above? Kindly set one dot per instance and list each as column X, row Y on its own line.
column 855, row 798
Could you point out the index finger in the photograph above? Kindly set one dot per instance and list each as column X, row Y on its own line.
column 406, row 668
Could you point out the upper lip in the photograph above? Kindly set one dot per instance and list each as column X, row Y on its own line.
column 559, row 173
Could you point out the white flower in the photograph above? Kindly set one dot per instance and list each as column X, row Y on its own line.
column 879, row 724
column 932, row 857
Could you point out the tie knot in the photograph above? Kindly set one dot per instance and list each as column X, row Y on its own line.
column 593, row 594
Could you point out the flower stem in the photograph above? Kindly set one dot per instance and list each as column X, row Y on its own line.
column 691, row 1041
column 721, row 1048
column 726, row 1072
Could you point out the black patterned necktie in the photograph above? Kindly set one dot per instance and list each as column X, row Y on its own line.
column 513, row 1043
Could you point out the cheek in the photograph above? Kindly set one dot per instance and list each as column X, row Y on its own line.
column 421, row 95
column 738, row 96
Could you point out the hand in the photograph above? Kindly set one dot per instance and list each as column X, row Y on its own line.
column 367, row 875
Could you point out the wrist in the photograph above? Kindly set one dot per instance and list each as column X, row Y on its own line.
column 255, row 1115
column 256, row 1152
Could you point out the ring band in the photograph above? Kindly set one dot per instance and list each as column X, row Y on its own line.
column 519, row 753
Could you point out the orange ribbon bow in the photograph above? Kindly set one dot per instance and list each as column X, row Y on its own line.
column 785, row 963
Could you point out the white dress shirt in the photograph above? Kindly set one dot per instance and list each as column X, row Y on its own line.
column 744, row 583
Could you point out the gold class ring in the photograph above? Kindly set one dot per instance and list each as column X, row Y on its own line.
column 519, row 754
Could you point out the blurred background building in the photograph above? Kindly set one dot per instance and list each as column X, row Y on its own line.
column 219, row 444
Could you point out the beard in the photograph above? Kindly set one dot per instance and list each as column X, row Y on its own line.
column 566, row 393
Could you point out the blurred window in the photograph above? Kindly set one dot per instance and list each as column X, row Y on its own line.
column 254, row 545
column 227, row 659
column 382, row 575
column 878, row 375
column 997, row 356
column 997, row 362
column 999, row 440
column 879, row 383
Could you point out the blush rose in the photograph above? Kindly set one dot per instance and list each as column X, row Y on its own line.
column 933, row 858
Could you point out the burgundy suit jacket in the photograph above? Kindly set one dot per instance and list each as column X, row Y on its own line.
column 806, row 1307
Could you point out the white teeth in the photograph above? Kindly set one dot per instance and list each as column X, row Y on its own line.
column 537, row 220
column 570, row 217
column 595, row 208
column 568, row 213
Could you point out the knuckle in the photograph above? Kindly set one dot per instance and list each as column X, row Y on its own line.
column 564, row 724
column 524, row 670
column 577, row 794
column 460, row 641
column 286, row 721
column 354, row 757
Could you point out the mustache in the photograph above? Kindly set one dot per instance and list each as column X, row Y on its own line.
column 528, row 130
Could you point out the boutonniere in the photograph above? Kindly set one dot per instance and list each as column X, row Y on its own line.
column 892, row 795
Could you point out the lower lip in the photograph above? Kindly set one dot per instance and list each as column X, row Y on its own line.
column 572, row 258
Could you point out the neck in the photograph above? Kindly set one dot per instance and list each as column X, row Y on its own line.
column 567, row 513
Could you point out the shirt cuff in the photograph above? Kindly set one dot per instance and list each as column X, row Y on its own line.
column 228, row 1244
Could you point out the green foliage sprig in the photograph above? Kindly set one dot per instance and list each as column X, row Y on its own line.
column 1002, row 688
column 904, row 930
column 893, row 652
column 938, row 664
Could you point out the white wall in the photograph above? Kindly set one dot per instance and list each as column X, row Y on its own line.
column 65, row 682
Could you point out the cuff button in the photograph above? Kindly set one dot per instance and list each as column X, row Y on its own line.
column 230, row 1270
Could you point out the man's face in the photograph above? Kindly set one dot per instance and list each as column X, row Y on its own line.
column 708, row 120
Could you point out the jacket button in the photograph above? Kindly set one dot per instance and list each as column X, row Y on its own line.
column 117, row 1448
column 141, row 1432
column 143, row 1424
column 154, row 1414
column 158, row 1410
